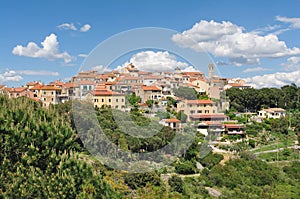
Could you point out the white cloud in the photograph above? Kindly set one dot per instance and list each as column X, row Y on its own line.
column 49, row 50
column 10, row 75
column 155, row 61
column 82, row 55
column 294, row 22
column 37, row 72
column 256, row 69
column 67, row 26
column 71, row 26
column 85, row 28
column 293, row 63
column 231, row 41
column 274, row 80
column 101, row 69
column 266, row 29
column 189, row 69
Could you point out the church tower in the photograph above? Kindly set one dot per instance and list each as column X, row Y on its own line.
column 211, row 70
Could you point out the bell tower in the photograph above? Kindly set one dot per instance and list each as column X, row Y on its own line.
column 211, row 70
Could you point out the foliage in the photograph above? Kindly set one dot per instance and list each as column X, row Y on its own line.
column 39, row 155
column 286, row 97
column 138, row 180
column 176, row 184
column 150, row 103
column 181, row 116
column 186, row 167
column 211, row 160
column 186, row 93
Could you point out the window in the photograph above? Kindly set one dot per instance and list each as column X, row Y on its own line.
column 117, row 100
column 95, row 100
column 206, row 111
column 122, row 100
column 51, row 92
column 109, row 100
column 102, row 100
column 199, row 111
column 117, row 106
column 90, row 87
column 44, row 99
column 192, row 112
column 44, row 92
column 52, row 99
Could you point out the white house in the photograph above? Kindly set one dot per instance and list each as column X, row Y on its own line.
column 272, row 113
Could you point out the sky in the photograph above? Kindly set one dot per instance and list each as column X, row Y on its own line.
column 51, row 40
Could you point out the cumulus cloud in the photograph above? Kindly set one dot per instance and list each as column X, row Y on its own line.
column 67, row 26
column 256, row 69
column 231, row 41
column 274, row 80
column 293, row 63
column 294, row 22
column 49, row 50
column 156, row 61
column 85, row 28
column 9, row 76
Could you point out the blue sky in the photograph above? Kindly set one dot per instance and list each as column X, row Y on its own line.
column 256, row 26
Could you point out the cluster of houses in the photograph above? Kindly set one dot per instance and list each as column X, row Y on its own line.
column 109, row 89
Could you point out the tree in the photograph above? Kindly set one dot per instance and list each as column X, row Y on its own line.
column 186, row 93
column 181, row 116
column 150, row 103
column 176, row 184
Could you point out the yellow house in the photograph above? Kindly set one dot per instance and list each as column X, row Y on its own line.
column 197, row 107
column 102, row 96
column 47, row 94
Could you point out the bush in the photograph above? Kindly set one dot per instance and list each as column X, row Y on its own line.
column 185, row 168
column 176, row 184
column 138, row 180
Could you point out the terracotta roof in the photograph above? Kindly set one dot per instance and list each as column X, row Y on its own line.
column 150, row 88
column 172, row 120
column 69, row 85
column 199, row 102
column 17, row 90
column 37, row 87
column 238, row 85
column 213, row 123
column 86, row 82
column 32, row 83
column 49, row 87
column 272, row 110
column 57, row 83
column 152, row 77
column 2, row 86
column 234, row 126
column 105, row 93
column 207, row 116
column 196, row 73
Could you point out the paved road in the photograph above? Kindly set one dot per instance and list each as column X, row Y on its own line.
column 274, row 150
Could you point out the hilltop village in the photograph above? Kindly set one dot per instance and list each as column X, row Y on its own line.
column 159, row 90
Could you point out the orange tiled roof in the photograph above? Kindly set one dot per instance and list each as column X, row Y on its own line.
column 199, row 102
column 207, row 116
column 16, row 90
column 49, row 87
column 172, row 120
column 37, row 87
column 69, row 85
column 234, row 126
column 150, row 88
column 86, row 82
